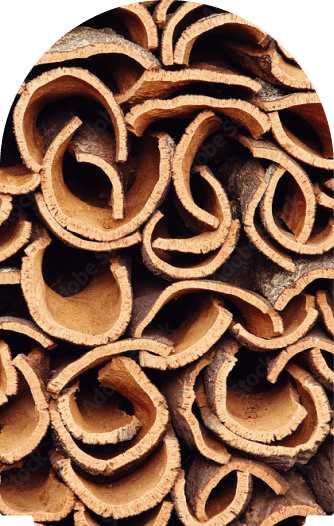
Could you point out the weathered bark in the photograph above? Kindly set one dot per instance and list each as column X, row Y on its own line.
column 319, row 475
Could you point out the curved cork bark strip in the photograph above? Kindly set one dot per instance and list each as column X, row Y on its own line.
column 322, row 198
column 18, row 179
column 28, row 328
column 135, row 492
column 127, row 378
column 186, row 386
column 325, row 306
column 269, row 421
column 6, row 207
column 31, row 401
column 320, row 476
column 247, row 184
column 157, row 516
column 10, row 276
column 160, row 12
column 160, row 84
column 180, row 394
column 142, row 115
column 108, row 425
column 158, row 263
column 174, row 26
column 139, row 24
column 78, row 242
column 99, row 223
column 15, row 233
column 269, row 65
column 84, row 42
column 227, row 23
column 8, row 374
column 53, row 85
column 100, row 355
column 204, row 475
column 299, row 316
column 36, row 492
column 74, row 318
column 269, row 510
column 279, row 286
column 294, row 215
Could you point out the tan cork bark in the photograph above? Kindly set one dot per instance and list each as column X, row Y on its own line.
column 325, row 306
column 17, row 179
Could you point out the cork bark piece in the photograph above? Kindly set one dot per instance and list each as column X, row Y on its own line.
column 220, row 507
column 279, row 286
column 322, row 198
column 325, row 306
column 142, row 115
column 99, row 223
column 160, row 12
column 28, row 328
column 320, row 476
column 18, row 179
column 126, row 377
column 314, row 343
column 132, row 494
column 299, row 316
column 78, row 318
column 8, row 374
column 10, row 276
column 268, row 510
column 227, row 24
column 157, row 516
column 257, row 416
column 6, row 207
column 108, row 425
column 75, row 241
column 98, row 356
column 300, row 446
column 15, row 233
column 34, row 489
column 174, row 26
column 139, row 24
column 160, row 84
column 268, row 64
column 293, row 239
column 53, row 85
column 19, row 437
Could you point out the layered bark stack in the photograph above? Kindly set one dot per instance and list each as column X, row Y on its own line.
column 166, row 238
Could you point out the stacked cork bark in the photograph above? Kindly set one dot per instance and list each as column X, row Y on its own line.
column 166, row 235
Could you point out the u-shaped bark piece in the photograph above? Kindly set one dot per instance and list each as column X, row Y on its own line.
column 33, row 488
column 132, row 494
column 142, row 115
column 30, row 400
column 268, row 64
column 14, row 234
column 227, row 24
column 18, row 179
column 139, row 25
column 154, row 153
column 28, row 328
column 325, row 306
column 8, row 374
column 75, row 318
column 269, row 510
column 57, row 84
column 126, row 377
column 192, row 495
column 157, row 516
column 160, row 12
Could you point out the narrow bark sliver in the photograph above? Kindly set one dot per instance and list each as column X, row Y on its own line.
column 14, row 234
column 78, row 318
column 325, row 306
column 8, row 374
column 129, row 210
column 202, row 498
column 132, row 494
column 33, row 488
column 148, row 425
column 20, row 435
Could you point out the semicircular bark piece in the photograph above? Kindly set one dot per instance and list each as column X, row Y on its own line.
column 75, row 241
column 268, row 64
column 14, row 234
column 227, row 24
column 139, row 24
column 27, row 410
column 58, row 84
column 142, row 115
column 157, row 516
column 325, row 306
column 160, row 12
column 34, row 489
column 102, row 223
column 269, row 510
column 145, row 487
column 201, row 497
column 74, row 318
column 126, row 377
column 8, row 374
column 28, row 328
column 18, row 179
column 321, row 196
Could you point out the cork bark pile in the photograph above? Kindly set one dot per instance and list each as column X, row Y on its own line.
column 166, row 236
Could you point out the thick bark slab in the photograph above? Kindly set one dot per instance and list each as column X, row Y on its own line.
column 135, row 22
column 14, row 234
column 320, row 476
column 135, row 492
column 18, row 179
column 65, row 82
column 10, row 276
column 74, row 318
